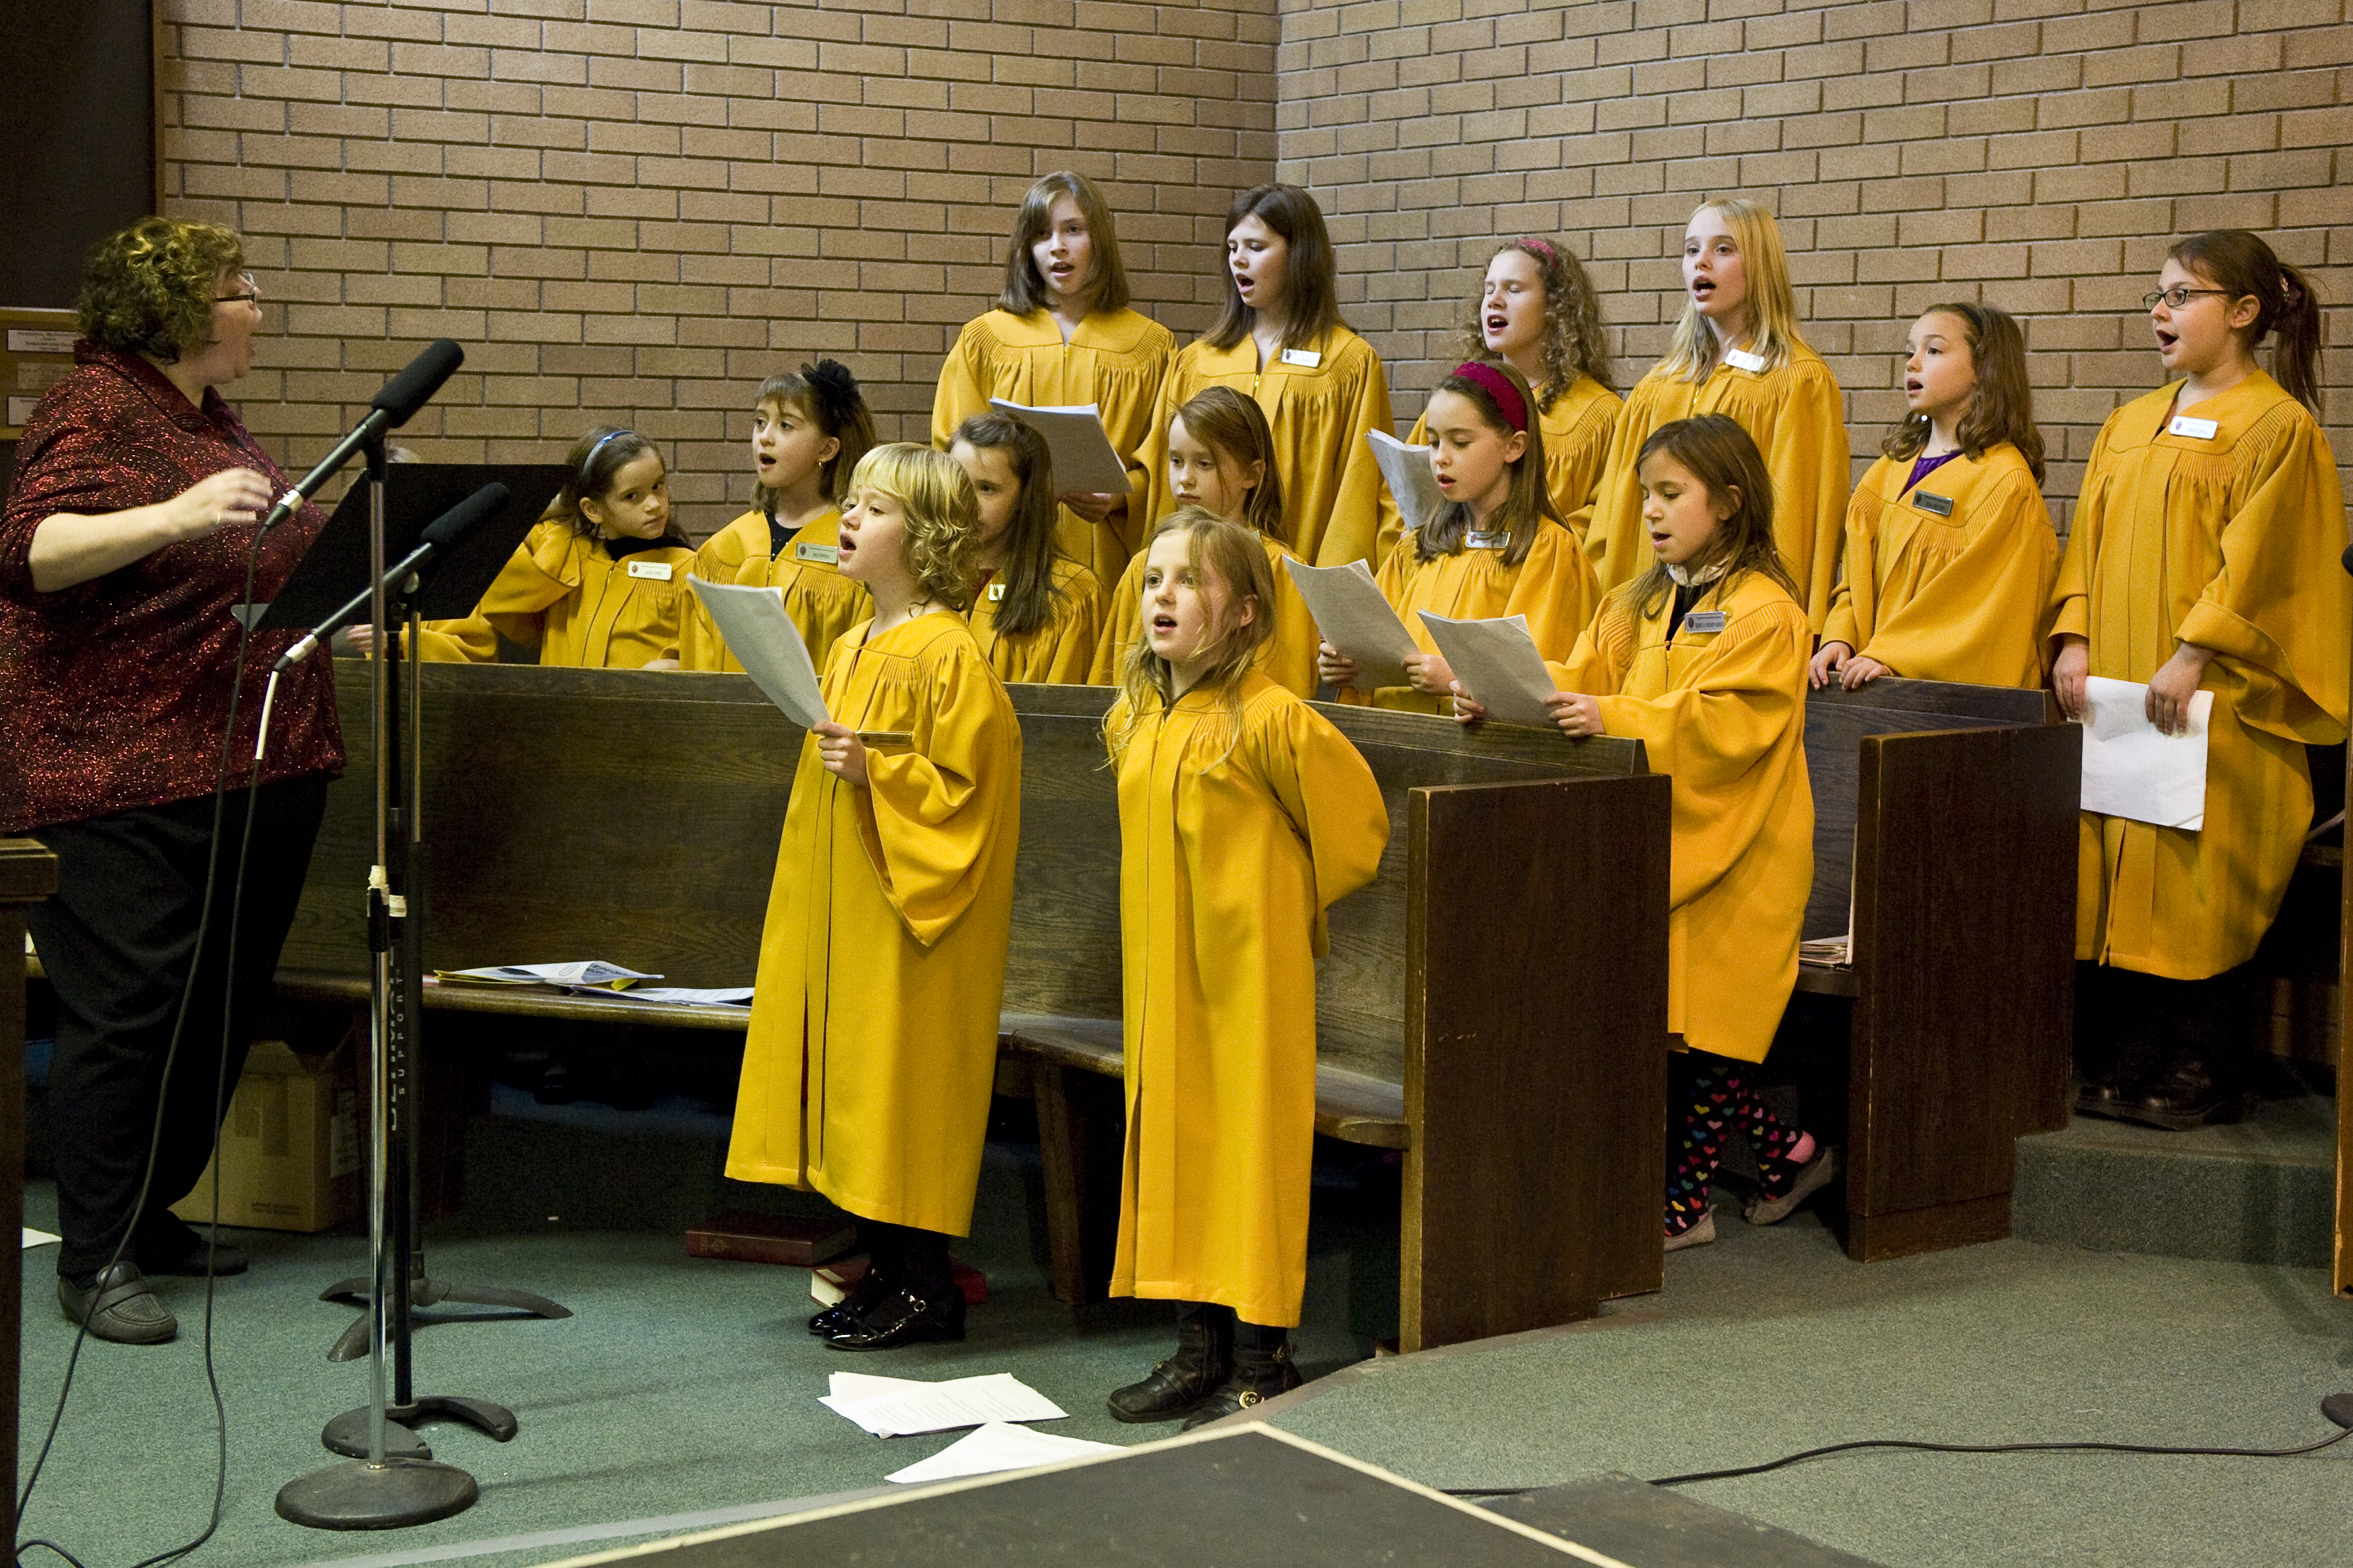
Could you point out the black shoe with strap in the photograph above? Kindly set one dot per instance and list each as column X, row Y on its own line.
column 849, row 1312
column 906, row 1318
column 118, row 1306
column 1205, row 1349
column 1259, row 1374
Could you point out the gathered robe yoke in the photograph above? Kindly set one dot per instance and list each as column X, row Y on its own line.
column 871, row 1054
column 1723, row 715
column 1576, row 431
column 2232, row 542
column 1115, row 360
column 1957, row 596
column 820, row 601
column 1552, row 586
column 1230, row 855
column 1288, row 658
column 1318, row 415
column 564, row 593
column 1060, row 653
column 1792, row 413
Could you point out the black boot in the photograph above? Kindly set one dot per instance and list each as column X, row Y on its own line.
column 1205, row 1352
column 1261, row 1370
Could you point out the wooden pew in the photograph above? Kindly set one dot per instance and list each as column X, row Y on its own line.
column 28, row 874
column 1481, row 1009
column 1946, row 814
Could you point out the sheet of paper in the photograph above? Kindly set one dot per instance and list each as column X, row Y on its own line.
column 2132, row 769
column 1084, row 457
column 34, row 1239
column 690, row 996
column 1352, row 616
column 768, row 645
column 1406, row 470
column 1498, row 665
column 590, row 971
column 916, row 1408
column 994, row 1448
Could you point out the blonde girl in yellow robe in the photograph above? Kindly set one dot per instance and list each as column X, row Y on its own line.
column 1536, row 312
column 1280, row 342
column 1497, row 547
column 871, row 1049
column 1037, row 614
column 1220, row 457
column 1736, row 351
column 1062, row 335
column 809, row 429
column 1703, row 659
column 599, row 582
column 1243, row 816
column 2204, row 557
column 1950, row 555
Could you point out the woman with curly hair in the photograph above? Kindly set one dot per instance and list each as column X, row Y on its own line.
column 129, row 687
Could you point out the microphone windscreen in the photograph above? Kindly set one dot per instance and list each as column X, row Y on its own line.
column 465, row 517
column 406, row 392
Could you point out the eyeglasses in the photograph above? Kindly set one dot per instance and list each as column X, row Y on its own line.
column 251, row 295
column 2178, row 297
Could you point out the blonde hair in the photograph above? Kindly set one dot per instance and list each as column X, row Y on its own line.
column 1231, row 556
column 1771, row 302
column 943, row 515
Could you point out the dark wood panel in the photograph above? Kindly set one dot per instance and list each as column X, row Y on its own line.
column 1875, row 1238
column 28, row 874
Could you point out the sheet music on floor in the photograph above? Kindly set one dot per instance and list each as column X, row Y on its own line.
column 1406, row 469
column 997, row 1447
column 752, row 622
column 901, row 1406
column 1498, row 665
column 1084, row 457
column 1353, row 614
column 2132, row 769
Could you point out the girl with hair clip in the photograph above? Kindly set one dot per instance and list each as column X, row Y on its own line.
column 1221, row 457
column 1243, row 816
column 1038, row 614
column 1949, row 580
column 2203, row 556
column 1280, row 340
column 1538, row 313
column 809, row 429
column 1703, row 659
column 1737, row 351
column 871, row 1048
column 1497, row 548
column 599, row 582
column 1062, row 335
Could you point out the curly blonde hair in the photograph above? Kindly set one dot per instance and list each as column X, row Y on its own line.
column 149, row 290
column 943, row 515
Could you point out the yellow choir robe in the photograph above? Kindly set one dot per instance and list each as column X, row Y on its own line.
column 871, row 1049
column 1318, row 405
column 1552, row 586
column 564, row 593
column 1576, row 431
column 1723, row 715
column 1287, row 657
column 1792, row 413
column 1232, row 848
column 822, row 603
column 1115, row 360
column 2230, row 541
column 1060, row 653
column 1951, row 580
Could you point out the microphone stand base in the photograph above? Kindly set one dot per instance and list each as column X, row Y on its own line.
column 348, row 1433
column 393, row 1495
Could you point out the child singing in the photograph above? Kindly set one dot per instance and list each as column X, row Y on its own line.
column 1038, row 614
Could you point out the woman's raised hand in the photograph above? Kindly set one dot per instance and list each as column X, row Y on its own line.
column 219, row 500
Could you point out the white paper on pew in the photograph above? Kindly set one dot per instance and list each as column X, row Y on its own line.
column 692, row 996
column 768, row 645
column 911, row 1407
column 994, row 1448
column 1353, row 616
column 587, row 972
column 2131, row 768
column 1498, row 665
column 1084, row 457
column 1406, row 469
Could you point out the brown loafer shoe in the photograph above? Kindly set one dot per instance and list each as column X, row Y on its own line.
column 118, row 1306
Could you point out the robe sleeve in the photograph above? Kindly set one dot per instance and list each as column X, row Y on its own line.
column 540, row 574
column 1808, row 461
column 1326, row 788
column 1604, row 652
column 1979, row 619
column 965, row 380
column 1576, row 474
column 468, row 641
column 699, row 645
column 1289, row 659
column 1079, row 634
column 1556, row 590
column 1156, row 500
column 2071, row 595
column 1348, row 534
column 1860, row 566
column 1120, row 623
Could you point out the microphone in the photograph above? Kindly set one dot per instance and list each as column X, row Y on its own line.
column 391, row 407
column 2346, row 559
column 440, row 536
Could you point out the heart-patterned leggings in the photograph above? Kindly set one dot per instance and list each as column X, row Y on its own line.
column 1708, row 1097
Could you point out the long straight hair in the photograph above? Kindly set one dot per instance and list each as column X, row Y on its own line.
column 1031, row 600
column 1529, row 501
column 1231, row 567
column 1719, row 454
column 1310, row 273
column 1772, row 303
column 2240, row 262
column 1234, row 427
column 826, row 394
column 1573, row 344
column 1024, row 290
column 2001, row 404
column 592, row 464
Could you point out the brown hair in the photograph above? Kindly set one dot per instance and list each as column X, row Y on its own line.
column 827, row 396
column 1031, row 599
column 149, row 290
column 2001, row 404
column 1573, row 345
column 1229, row 554
column 1310, row 273
column 594, row 462
column 2241, row 265
column 1529, row 501
column 943, row 515
column 1719, row 454
column 1233, row 426
column 1024, row 290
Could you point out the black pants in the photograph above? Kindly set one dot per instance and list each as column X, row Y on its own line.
column 2132, row 1028
column 117, row 942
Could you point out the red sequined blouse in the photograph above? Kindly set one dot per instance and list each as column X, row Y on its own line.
column 113, row 691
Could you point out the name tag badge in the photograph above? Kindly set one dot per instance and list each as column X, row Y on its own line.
column 994, row 593
column 1928, row 501
column 2195, row 429
column 1305, row 358
column 1704, row 621
column 1741, row 358
column 1475, row 540
column 659, row 571
column 829, row 555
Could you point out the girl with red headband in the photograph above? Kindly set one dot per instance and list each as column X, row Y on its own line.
column 1499, row 546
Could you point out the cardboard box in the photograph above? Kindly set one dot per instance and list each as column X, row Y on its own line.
column 289, row 1151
